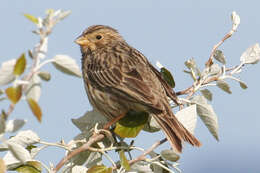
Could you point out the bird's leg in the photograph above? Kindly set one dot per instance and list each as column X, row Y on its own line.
column 108, row 124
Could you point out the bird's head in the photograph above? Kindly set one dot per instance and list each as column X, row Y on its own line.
column 98, row 36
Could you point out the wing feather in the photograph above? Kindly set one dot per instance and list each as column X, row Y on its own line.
column 132, row 80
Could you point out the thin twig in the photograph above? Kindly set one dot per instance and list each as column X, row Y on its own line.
column 10, row 109
column 43, row 64
column 109, row 158
column 55, row 144
column 142, row 156
column 210, row 60
column 235, row 23
column 92, row 139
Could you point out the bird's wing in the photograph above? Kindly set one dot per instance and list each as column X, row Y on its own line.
column 168, row 89
column 132, row 80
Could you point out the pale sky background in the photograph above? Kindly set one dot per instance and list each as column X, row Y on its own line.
column 168, row 31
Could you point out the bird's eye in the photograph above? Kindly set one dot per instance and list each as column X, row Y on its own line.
column 98, row 37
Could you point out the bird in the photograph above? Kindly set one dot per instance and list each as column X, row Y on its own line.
column 118, row 78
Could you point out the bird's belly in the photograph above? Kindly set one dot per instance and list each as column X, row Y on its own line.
column 109, row 105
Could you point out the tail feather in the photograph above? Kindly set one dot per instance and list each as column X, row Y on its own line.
column 175, row 131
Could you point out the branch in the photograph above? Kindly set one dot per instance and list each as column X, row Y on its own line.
column 92, row 140
column 235, row 23
column 200, row 82
column 148, row 151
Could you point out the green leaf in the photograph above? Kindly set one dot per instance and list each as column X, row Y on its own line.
column 4, row 115
column 219, row 56
column 100, row 169
column 35, row 164
column 207, row 94
column 167, row 76
column 151, row 126
column 44, row 75
column 224, row 86
column 20, row 65
column 243, row 85
column 127, row 132
column 35, row 108
column 170, row 155
column 31, row 18
column 30, row 54
column 30, row 167
column 124, row 161
column 130, row 125
column 14, row 93
column 30, row 147
column 134, row 119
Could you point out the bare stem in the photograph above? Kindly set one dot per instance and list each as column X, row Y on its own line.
column 149, row 150
column 92, row 139
column 210, row 60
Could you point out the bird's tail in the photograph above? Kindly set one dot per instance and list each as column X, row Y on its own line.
column 175, row 131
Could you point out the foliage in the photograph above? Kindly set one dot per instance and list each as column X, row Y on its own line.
column 18, row 79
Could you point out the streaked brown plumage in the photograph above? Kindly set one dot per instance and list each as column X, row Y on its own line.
column 118, row 78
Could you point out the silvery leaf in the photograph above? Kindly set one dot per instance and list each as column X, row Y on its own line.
column 67, row 65
column 224, row 86
column 25, row 138
column 19, row 152
column 79, row 169
column 207, row 115
column 170, row 155
column 188, row 117
column 94, row 158
column 235, row 20
column 142, row 167
column 207, row 94
column 33, row 90
column 219, row 56
column 88, row 120
column 214, row 69
column 2, row 124
column 251, row 55
column 6, row 72
column 10, row 161
column 14, row 125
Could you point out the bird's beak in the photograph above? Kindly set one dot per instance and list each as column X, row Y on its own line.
column 82, row 41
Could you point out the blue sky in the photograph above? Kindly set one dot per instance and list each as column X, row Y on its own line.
column 168, row 31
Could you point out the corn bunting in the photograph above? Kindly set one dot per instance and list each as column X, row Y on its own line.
column 118, row 78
